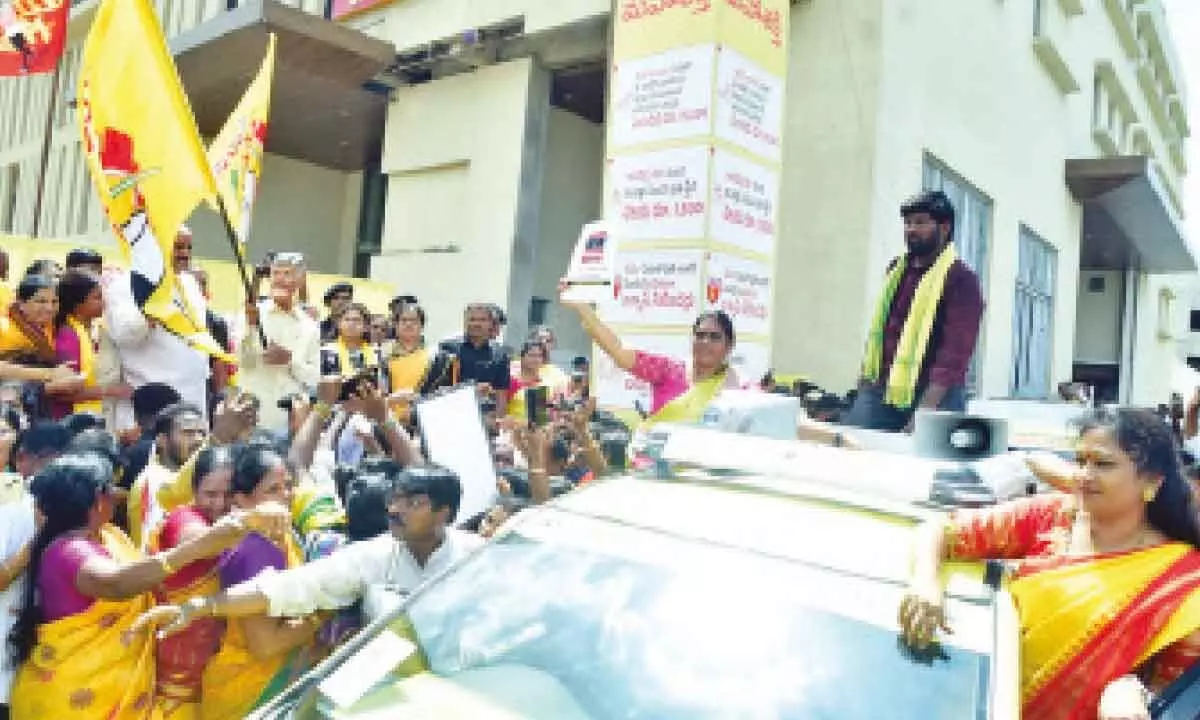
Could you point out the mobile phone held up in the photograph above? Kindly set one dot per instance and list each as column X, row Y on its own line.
column 537, row 407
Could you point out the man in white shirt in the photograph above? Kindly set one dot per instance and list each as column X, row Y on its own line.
column 421, row 545
column 39, row 445
column 290, row 364
column 148, row 353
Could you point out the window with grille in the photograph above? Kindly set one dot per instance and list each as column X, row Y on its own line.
column 1033, row 317
column 972, row 231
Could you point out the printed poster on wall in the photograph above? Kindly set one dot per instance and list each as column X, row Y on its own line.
column 741, row 288
column 660, row 195
column 743, row 203
column 655, row 287
column 667, row 96
column 616, row 388
column 749, row 108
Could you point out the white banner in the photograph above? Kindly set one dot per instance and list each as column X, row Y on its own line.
column 749, row 105
column 743, row 203
column 741, row 288
column 660, row 195
column 662, row 97
column 656, row 287
column 751, row 360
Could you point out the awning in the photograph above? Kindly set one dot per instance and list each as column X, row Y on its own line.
column 320, row 111
column 1127, row 221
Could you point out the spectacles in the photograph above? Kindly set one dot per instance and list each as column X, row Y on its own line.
column 711, row 336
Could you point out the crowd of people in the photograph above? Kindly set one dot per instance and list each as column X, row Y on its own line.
column 259, row 507
column 270, row 504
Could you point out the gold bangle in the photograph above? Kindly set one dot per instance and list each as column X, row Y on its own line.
column 161, row 559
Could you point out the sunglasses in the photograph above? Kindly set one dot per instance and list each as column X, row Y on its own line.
column 711, row 336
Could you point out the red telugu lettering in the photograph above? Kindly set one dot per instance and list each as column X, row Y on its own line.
column 632, row 10
column 770, row 20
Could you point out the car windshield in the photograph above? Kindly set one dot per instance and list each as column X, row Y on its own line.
column 571, row 617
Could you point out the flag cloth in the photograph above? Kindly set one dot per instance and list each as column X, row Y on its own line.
column 33, row 34
column 145, row 156
column 236, row 154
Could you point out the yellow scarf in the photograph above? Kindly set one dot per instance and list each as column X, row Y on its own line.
column 87, row 365
column 914, row 338
column 84, row 666
column 343, row 353
column 690, row 406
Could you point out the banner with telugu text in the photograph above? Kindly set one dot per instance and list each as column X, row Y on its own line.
column 695, row 139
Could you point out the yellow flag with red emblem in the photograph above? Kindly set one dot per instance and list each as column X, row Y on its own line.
column 236, row 154
column 145, row 156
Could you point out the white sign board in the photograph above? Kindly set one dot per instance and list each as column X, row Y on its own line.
column 749, row 107
column 452, row 428
column 663, row 97
column 741, row 288
column 656, row 287
column 661, row 195
column 743, row 203
column 589, row 278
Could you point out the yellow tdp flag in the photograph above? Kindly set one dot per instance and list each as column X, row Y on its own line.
column 145, row 156
column 237, row 152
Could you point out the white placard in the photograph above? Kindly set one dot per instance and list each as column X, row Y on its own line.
column 751, row 360
column 589, row 278
column 741, row 288
column 663, row 97
column 365, row 668
column 660, row 195
column 656, row 287
column 749, row 107
column 744, row 199
column 616, row 388
column 452, row 428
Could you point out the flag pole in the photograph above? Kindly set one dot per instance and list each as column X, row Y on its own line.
column 241, row 263
column 47, row 135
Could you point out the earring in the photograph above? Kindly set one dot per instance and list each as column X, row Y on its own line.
column 1149, row 493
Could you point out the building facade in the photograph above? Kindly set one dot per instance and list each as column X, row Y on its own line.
column 453, row 149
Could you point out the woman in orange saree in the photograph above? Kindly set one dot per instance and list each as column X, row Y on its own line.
column 1107, row 579
column 182, row 658
column 88, row 584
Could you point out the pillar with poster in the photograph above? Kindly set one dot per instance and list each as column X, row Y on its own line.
column 693, row 165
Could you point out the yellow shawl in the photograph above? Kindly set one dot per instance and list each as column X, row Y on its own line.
column 914, row 338
column 87, row 366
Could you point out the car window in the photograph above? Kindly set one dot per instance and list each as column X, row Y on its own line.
column 573, row 617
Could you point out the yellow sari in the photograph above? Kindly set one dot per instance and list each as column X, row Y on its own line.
column 1086, row 621
column 235, row 681
column 87, row 366
column 84, row 666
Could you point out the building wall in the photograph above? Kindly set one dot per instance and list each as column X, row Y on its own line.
column 301, row 207
column 886, row 83
column 828, row 177
column 571, row 196
column 453, row 154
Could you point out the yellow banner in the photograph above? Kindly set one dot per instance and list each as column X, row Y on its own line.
column 144, row 154
column 236, row 154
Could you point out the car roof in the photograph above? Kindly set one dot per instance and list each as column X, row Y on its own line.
column 784, row 519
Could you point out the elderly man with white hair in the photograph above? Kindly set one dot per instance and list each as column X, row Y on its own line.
column 290, row 363
column 146, row 351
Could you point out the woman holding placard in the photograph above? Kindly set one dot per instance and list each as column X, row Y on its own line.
column 680, row 390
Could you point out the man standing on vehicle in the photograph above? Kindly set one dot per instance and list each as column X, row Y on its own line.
column 924, row 329
column 421, row 544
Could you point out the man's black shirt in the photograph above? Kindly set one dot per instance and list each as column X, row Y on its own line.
column 487, row 364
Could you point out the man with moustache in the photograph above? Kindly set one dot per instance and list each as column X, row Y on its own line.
column 422, row 543
column 924, row 328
